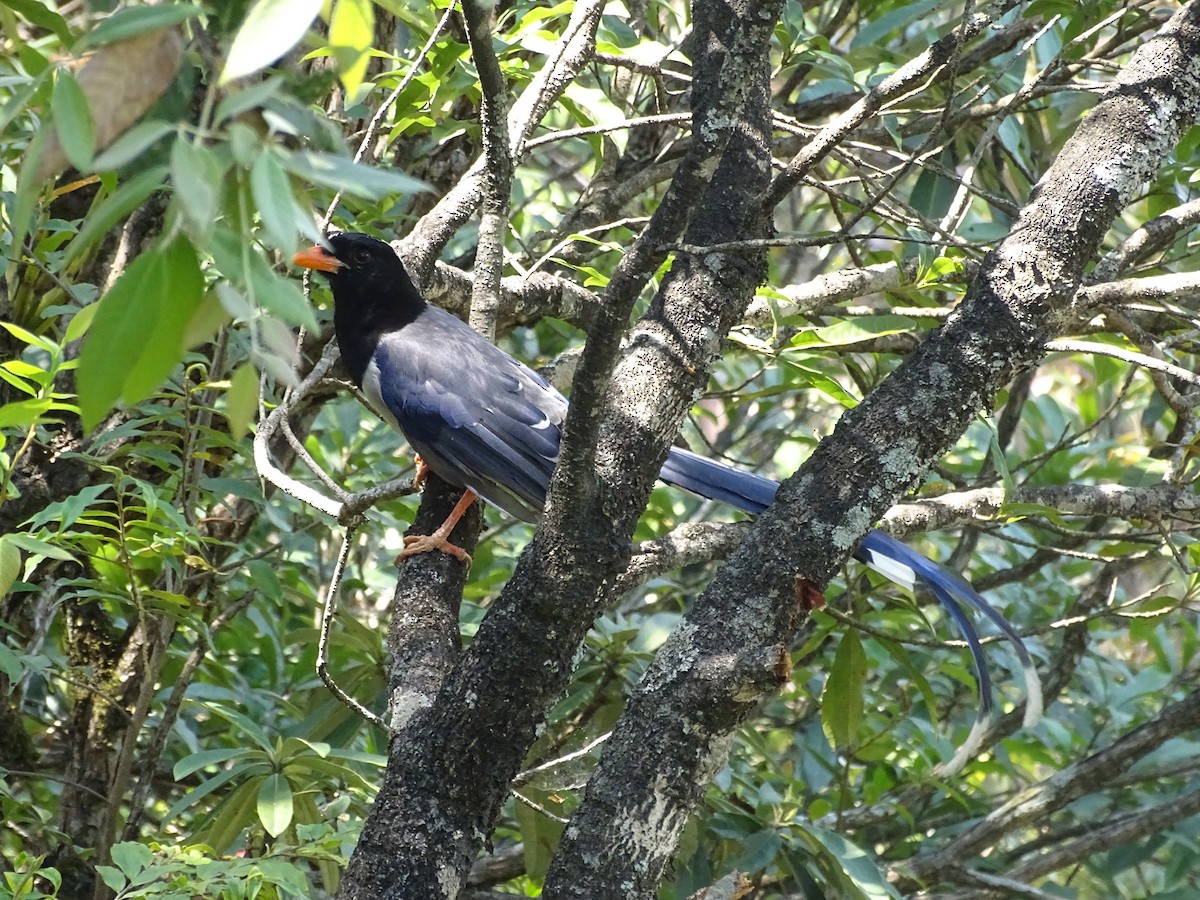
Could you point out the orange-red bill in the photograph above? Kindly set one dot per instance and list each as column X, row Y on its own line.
column 317, row 258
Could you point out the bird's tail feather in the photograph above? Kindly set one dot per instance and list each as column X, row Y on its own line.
column 952, row 591
column 716, row 481
column 753, row 493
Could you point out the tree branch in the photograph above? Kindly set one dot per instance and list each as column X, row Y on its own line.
column 498, row 170
column 680, row 722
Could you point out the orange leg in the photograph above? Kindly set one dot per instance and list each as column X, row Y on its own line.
column 422, row 471
column 414, row 544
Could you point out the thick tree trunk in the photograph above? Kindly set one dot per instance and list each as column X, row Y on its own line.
column 713, row 670
column 451, row 767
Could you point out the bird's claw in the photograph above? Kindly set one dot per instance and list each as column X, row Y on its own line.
column 415, row 544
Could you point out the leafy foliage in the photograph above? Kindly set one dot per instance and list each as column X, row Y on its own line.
column 162, row 732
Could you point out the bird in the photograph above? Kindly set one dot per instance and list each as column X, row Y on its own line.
column 487, row 423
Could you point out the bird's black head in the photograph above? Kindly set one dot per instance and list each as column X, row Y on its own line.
column 362, row 270
column 372, row 293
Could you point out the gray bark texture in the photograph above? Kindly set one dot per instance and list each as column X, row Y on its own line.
column 713, row 670
column 452, row 762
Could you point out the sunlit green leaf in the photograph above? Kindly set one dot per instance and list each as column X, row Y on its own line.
column 351, row 32
column 23, row 413
column 141, row 322
column 343, row 174
column 135, row 20
column 271, row 29
column 852, row 331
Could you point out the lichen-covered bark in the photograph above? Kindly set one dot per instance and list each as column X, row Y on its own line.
column 625, row 833
column 450, row 769
column 423, row 638
column 712, row 671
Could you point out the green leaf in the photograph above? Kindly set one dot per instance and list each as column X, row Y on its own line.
column 343, row 174
column 245, row 265
column 39, row 14
column 197, row 176
column 241, row 400
column 818, row 380
column 113, row 878
column 852, row 331
column 842, row 699
column 72, row 120
column 132, row 144
column 10, row 563
column 253, row 96
column 194, row 796
column 845, row 866
column 37, row 547
column 33, row 340
column 28, row 191
column 235, row 816
column 1001, row 461
column 141, row 322
column 351, row 33
column 81, row 322
column 271, row 29
column 136, row 20
column 540, row 834
column 281, row 215
column 275, row 804
column 246, row 724
column 24, row 413
column 131, row 857
column 1017, row 510
column 204, row 759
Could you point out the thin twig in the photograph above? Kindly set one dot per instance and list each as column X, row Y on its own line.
column 1129, row 356
column 527, row 776
column 327, row 613
column 498, row 171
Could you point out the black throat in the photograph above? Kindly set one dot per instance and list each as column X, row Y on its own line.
column 372, row 296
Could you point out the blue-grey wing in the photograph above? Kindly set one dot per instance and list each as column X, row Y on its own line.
column 478, row 417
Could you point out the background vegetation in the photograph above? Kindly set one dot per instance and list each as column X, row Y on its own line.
column 163, row 731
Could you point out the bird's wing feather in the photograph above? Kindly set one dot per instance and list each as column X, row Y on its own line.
column 478, row 417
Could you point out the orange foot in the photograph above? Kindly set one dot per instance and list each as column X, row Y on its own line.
column 425, row 543
column 439, row 540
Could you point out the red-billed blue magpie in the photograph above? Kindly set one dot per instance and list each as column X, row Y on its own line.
column 488, row 423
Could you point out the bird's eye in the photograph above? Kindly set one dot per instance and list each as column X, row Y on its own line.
column 361, row 256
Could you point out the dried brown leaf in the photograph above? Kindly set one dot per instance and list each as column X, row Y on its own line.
column 120, row 81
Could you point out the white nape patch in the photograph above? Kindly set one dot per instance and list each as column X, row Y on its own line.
column 371, row 390
column 892, row 570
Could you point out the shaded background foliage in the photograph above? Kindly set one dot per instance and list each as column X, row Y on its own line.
column 161, row 726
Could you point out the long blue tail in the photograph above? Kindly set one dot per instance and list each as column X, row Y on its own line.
column 753, row 493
